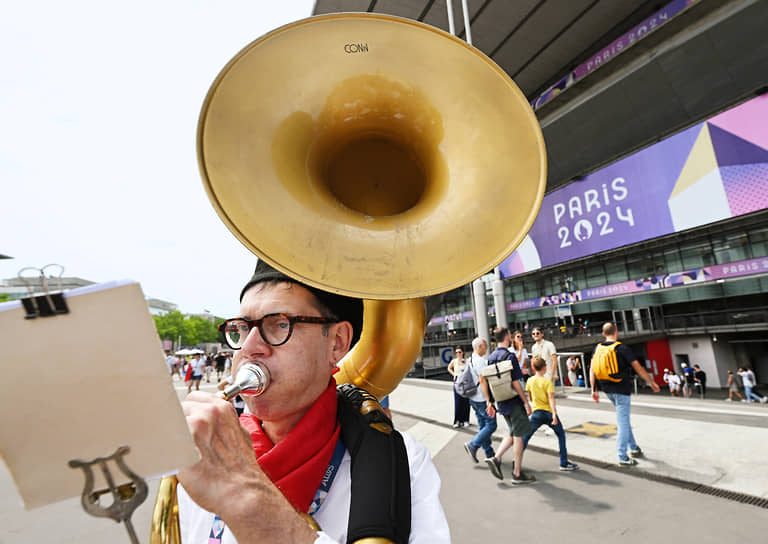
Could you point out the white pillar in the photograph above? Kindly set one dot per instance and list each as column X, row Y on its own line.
column 499, row 304
column 481, row 310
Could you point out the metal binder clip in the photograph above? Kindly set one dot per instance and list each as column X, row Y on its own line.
column 126, row 497
column 46, row 303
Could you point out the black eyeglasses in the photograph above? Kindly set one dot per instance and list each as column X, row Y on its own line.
column 275, row 329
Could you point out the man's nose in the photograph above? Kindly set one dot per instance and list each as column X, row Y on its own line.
column 255, row 343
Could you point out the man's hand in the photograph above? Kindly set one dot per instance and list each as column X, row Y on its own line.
column 595, row 396
column 528, row 410
column 655, row 387
column 228, row 479
column 490, row 409
column 554, row 419
column 226, row 453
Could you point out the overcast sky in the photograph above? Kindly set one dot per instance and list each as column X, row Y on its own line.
column 98, row 111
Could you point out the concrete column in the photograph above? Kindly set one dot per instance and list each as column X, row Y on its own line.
column 481, row 310
column 499, row 304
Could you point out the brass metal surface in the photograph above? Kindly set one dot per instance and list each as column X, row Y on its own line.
column 372, row 156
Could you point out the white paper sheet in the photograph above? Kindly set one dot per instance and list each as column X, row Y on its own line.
column 78, row 386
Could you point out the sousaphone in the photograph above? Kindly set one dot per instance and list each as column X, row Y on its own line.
column 375, row 157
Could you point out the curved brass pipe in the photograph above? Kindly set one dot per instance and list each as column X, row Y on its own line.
column 393, row 331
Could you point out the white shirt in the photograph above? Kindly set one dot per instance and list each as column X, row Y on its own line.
column 197, row 366
column 545, row 349
column 478, row 363
column 523, row 356
column 428, row 522
column 748, row 378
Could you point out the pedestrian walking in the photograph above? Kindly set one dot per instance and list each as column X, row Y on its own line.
column 611, row 371
column 479, row 403
column 541, row 393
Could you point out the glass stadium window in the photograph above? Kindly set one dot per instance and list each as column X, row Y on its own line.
column 596, row 276
column 758, row 242
column 696, row 254
column 730, row 248
column 616, row 271
column 672, row 260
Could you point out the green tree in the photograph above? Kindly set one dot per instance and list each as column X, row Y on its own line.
column 192, row 329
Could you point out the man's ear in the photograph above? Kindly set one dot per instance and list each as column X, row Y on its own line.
column 341, row 336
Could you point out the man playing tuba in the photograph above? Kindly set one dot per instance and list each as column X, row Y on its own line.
column 291, row 453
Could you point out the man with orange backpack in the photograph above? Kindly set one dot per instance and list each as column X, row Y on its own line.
column 611, row 369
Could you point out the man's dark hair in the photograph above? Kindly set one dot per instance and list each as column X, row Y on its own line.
column 330, row 304
column 500, row 333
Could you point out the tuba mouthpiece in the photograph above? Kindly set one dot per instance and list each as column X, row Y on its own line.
column 251, row 380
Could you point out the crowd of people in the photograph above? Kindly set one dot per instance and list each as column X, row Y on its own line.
column 192, row 369
column 530, row 405
column 692, row 381
column 612, row 372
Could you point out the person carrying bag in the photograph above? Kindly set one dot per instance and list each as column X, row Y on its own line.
column 499, row 378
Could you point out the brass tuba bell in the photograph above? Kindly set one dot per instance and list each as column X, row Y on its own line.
column 375, row 157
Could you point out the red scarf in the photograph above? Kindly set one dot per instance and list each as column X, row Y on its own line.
column 297, row 463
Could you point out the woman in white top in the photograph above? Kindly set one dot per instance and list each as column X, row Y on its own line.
column 460, row 404
column 521, row 353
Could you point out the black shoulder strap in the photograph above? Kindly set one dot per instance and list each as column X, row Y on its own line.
column 380, row 506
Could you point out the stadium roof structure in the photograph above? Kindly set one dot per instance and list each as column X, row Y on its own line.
column 608, row 77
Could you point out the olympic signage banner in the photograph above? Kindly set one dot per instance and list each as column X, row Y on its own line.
column 712, row 171
column 616, row 47
column 716, row 272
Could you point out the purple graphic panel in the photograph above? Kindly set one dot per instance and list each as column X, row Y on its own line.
column 657, row 191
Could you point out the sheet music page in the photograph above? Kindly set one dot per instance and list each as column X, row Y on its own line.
column 80, row 385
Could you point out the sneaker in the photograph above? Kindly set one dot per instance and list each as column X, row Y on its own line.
column 471, row 451
column 495, row 467
column 569, row 467
column 743, row 400
column 627, row 463
column 728, row 400
column 636, row 453
column 522, row 479
column 456, row 425
column 764, row 400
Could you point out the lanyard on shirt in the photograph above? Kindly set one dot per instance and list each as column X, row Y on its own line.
column 330, row 474
column 217, row 528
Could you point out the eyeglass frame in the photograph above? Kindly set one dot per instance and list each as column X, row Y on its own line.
column 257, row 323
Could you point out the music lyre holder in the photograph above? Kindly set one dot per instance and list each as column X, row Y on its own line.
column 126, row 497
column 44, row 304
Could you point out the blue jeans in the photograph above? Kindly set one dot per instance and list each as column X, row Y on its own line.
column 624, row 438
column 487, row 426
column 749, row 394
column 544, row 417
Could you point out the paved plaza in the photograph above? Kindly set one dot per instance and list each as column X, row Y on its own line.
column 692, row 448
